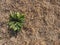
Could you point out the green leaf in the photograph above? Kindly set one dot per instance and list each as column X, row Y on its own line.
column 16, row 21
column 10, row 23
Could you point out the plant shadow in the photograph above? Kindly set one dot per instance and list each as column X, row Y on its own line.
column 13, row 33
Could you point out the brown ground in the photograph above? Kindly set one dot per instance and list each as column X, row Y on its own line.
column 42, row 22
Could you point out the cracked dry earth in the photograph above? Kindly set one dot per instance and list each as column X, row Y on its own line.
column 42, row 22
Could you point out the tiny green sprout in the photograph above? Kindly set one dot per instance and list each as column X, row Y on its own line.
column 16, row 21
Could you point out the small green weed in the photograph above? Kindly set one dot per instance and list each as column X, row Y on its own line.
column 16, row 21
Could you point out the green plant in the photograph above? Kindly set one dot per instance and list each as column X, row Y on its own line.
column 16, row 21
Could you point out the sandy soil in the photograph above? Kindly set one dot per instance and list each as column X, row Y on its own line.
column 42, row 22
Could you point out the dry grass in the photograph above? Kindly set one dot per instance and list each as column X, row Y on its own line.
column 42, row 22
